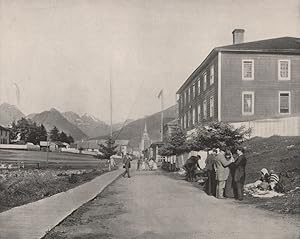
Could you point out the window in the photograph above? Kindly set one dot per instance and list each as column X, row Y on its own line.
column 248, row 70
column 211, row 106
column 199, row 87
column 212, row 75
column 194, row 115
column 284, row 69
column 204, row 81
column 199, row 113
column 194, row 90
column 187, row 97
column 284, row 102
column 248, row 103
column 186, row 121
column 204, row 109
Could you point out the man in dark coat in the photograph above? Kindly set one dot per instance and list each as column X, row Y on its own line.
column 211, row 174
column 126, row 163
column 240, row 173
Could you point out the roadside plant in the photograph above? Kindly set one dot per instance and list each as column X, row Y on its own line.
column 108, row 149
column 218, row 135
column 175, row 144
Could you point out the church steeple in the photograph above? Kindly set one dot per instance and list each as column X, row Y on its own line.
column 145, row 128
column 145, row 141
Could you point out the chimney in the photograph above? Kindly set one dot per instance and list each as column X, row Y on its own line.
column 238, row 36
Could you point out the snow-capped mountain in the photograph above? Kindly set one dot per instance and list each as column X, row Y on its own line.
column 9, row 113
column 88, row 123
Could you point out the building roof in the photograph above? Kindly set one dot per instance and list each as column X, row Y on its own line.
column 274, row 45
column 2, row 128
column 282, row 45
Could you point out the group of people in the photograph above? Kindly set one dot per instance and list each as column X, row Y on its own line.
column 269, row 181
column 142, row 164
column 145, row 164
column 220, row 165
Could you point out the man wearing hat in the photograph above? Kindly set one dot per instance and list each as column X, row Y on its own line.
column 222, row 172
column 240, row 173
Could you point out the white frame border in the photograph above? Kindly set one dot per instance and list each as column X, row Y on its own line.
column 243, row 78
column 289, row 70
column 253, row 103
column 290, row 109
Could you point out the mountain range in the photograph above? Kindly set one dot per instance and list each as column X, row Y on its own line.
column 9, row 113
column 133, row 131
column 88, row 126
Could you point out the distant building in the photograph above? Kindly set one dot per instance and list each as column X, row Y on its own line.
column 255, row 84
column 145, row 142
column 4, row 135
column 93, row 145
column 52, row 146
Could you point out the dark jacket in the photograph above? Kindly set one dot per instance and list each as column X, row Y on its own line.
column 240, row 170
column 126, row 162
column 210, row 160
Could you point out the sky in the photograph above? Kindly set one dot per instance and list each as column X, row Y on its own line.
column 62, row 53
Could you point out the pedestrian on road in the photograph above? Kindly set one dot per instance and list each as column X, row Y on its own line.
column 222, row 173
column 126, row 165
column 211, row 181
column 240, row 173
column 139, row 162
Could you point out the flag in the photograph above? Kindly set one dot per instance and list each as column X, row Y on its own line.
column 160, row 93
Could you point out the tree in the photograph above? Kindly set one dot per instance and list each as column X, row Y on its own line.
column 63, row 137
column 28, row 131
column 70, row 139
column 108, row 149
column 54, row 134
column 175, row 144
column 218, row 135
column 42, row 133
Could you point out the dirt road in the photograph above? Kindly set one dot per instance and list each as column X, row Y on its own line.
column 152, row 205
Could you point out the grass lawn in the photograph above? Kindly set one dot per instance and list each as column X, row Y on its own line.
column 281, row 154
column 40, row 179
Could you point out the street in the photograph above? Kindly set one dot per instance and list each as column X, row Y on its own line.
column 151, row 204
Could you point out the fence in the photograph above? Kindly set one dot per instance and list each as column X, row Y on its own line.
column 289, row 126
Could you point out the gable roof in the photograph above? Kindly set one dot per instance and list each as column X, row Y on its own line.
column 274, row 45
column 2, row 128
column 281, row 45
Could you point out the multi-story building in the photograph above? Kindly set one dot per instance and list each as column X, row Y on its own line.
column 254, row 83
column 4, row 135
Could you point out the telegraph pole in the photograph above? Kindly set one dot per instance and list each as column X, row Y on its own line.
column 111, row 105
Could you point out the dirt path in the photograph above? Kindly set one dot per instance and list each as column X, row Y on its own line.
column 151, row 205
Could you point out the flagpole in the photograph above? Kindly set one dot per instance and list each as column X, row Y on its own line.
column 162, row 117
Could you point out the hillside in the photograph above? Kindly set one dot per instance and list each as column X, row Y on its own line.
column 54, row 118
column 9, row 113
column 134, row 129
column 281, row 154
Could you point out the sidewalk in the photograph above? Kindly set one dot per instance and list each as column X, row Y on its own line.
column 33, row 220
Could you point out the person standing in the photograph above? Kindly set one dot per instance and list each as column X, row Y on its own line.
column 126, row 163
column 240, row 173
column 211, row 181
column 222, row 173
column 139, row 162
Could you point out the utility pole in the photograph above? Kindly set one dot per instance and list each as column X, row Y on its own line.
column 111, row 105
column 48, row 146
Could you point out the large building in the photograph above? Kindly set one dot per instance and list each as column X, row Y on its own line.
column 4, row 135
column 254, row 83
